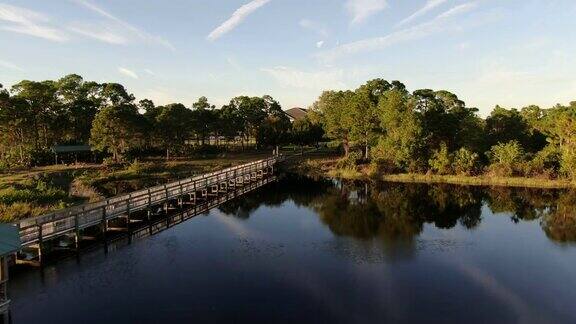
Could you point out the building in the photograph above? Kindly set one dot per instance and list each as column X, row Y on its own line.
column 72, row 153
column 9, row 244
column 296, row 113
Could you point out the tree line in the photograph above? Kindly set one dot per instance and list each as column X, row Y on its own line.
column 381, row 122
column 35, row 116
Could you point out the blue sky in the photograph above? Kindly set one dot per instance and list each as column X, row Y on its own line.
column 508, row 52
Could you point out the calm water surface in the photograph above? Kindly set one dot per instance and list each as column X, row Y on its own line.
column 322, row 251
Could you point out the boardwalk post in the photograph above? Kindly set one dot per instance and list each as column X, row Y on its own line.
column 180, row 201
column 128, row 211
column 104, row 223
column 77, row 232
column 40, row 244
column 167, row 201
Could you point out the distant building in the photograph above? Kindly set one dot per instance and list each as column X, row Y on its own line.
column 72, row 153
column 296, row 113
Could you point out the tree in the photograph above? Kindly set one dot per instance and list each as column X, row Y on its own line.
column 203, row 119
column 362, row 110
column 230, row 121
column 46, row 111
column 80, row 103
column 116, row 130
column 560, row 125
column 441, row 161
column 252, row 112
column 275, row 126
column 465, row 162
column 402, row 131
column 173, row 126
column 114, row 94
column 505, row 125
column 333, row 107
column 16, row 131
column 305, row 132
column 506, row 158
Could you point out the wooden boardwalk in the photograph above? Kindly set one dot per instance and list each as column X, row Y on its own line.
column 71, row 221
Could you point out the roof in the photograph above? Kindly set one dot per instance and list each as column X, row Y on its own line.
column 71, row 148
column 9, row 239
column 296, row 113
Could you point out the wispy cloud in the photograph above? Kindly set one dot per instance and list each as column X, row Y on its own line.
column 150, row 72
column 102, row 33
column 458, row 10
column 236, row 19
column 360, row 10
column 28, row 22
column 439, row 23
column 320, row 44
column 141, row 34
column 314, row 26
column 428, row 6
column 10, row 65
column 292, row 78
column 128, row 73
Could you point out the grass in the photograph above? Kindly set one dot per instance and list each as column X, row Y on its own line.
column 328, row 166
column 481, row 180
column 33, row 196
column 33, row 192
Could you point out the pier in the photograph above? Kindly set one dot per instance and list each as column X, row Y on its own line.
column 67, row 228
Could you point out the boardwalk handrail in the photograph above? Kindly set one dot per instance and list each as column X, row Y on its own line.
column 32, row 229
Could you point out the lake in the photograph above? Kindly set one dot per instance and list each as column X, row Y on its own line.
column 311, row 250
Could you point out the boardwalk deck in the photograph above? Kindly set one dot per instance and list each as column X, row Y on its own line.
column 72, row 220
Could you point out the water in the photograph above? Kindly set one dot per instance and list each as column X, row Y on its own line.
column 323, row 251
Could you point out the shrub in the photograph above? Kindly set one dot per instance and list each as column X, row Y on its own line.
column 506, row 158
column 137, row 167
column 110, row 162
column 349, row 162
column 441, row 162
column 568, row 162
column 545, row 163
column 465, row 162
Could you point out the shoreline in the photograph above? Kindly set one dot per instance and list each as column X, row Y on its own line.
column 327, row 169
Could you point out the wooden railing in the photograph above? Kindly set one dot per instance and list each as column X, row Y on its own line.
column 37, row 229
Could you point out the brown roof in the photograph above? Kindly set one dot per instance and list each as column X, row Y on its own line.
column 296, row 113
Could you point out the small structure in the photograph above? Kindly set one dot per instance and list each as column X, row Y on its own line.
column 9, row 244
column 72, row 153
column 296, row 113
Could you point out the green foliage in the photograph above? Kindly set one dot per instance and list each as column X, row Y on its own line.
column 545, row 163
column 505, row 125
column 36, row 116
column 465, row 162
column 402, row 131
column 350, row 161
column 305, row 132
column 333, row 109
column 117, row 129
column 172, row 125
column 30, row 197
column 441, row 161
column 396, row 130
column 506, row 158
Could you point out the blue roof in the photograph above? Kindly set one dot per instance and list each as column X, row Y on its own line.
column 9, row 239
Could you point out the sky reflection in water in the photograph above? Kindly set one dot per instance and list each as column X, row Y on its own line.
column 318, row 251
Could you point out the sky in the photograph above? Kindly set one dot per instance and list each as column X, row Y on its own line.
column 508, row 52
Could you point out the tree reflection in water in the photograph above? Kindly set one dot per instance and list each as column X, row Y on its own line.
column 394, row 214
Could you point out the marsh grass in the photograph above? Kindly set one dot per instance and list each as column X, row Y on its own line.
column 29, row 193
column 329, row 166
